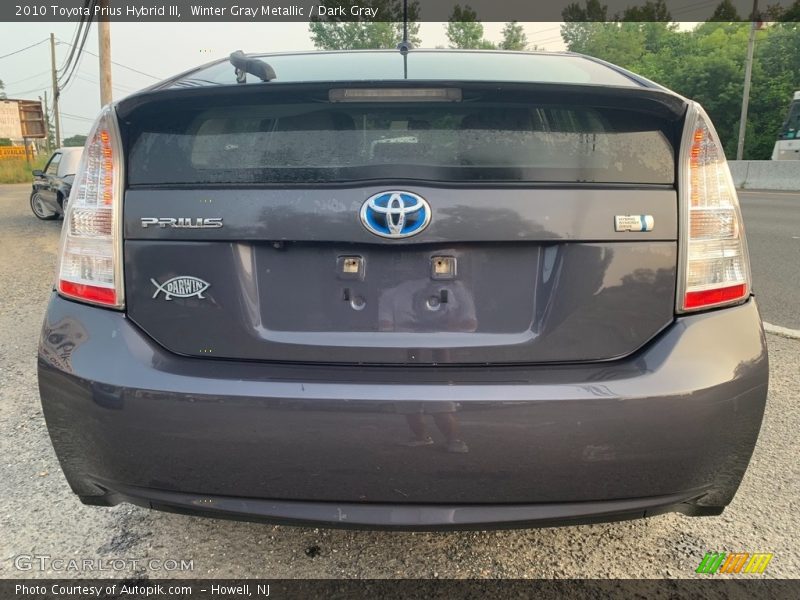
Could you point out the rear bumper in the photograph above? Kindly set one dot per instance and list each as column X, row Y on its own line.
column 406, row 516
column 671, row 428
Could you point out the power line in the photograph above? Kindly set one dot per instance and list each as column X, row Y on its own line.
column 78, row 64
column 75, row 37
column 77, row 117
column 27, row 78
column 689, row 8
column 548, row 30
column 118, row 64
column 547, row 40
column 38, row 89
column 117, row 86
column 63, row 82
column 23, row 49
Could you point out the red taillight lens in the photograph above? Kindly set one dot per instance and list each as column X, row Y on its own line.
column 101, row 295
column 715, row 268
column 90, row 261
column 713, row 296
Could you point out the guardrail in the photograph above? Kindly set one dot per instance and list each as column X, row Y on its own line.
column 766, row 174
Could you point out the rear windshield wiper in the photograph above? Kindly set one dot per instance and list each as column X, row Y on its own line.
column 255, row 66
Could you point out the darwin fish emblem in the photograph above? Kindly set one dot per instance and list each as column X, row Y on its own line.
column 183, row 286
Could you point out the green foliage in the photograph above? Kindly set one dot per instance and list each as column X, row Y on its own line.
column 339, row 35
column 2, row 90
column 514, row 37
column 649, row 11
column 464, row 30
column 6, row 142
column 74, row 141
column 789, row 14
column 725, row 11
column 592, row 11
column 707, row 65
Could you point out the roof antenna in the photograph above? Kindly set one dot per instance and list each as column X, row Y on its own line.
column 405, row 45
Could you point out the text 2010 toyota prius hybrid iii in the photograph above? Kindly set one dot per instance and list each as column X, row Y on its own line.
column 424, row 289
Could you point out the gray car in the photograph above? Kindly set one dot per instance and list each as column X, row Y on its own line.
column 423, row 289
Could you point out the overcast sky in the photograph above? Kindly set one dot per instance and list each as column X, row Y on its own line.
column 164, row 49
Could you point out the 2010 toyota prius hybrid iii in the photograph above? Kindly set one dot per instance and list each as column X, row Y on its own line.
column 434, row 289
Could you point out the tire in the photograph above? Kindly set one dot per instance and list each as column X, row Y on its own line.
column 40, row 210
column 62, row 202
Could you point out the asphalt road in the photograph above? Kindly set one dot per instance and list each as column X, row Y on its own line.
column 39, row 515
column 772, row 225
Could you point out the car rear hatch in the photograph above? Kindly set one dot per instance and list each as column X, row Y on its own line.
column 552, row 233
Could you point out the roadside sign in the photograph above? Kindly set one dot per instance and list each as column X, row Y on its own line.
column 31, row 118
column 12, row 152
column 20, row 119
column 9, row 120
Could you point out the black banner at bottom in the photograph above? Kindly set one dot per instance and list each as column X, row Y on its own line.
column 291, row 589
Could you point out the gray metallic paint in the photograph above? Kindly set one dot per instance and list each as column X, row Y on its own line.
column 518, row 296
column 419, row 517
column 678, row 419
column 459, row 214
column 509, row 302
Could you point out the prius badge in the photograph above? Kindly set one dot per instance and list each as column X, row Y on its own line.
column 183, row 286
column 181, row 222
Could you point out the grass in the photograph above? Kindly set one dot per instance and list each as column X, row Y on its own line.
column 19, row 171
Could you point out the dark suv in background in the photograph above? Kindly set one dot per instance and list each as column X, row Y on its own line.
column 433, row 289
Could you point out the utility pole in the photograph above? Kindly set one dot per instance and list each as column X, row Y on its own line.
column 748, row 71
column 104, row 46
column 47, row 124
column 55, row 89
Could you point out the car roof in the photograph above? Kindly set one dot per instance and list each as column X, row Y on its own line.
column 419, row 65
column 70, row 159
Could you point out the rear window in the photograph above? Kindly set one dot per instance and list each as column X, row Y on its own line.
column 456, row 142
column 421, row 65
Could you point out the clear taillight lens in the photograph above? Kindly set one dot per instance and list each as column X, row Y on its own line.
column 89, row 266
column 715, row 269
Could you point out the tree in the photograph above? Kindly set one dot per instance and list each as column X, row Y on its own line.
column 725, row 12
column 580, row 24
column 788, row 14
column 74, row 141
column 514, row 37
column 707, row 65
column 650, row 11
column 2, row 90
column 593, row 11
column 776, row 75
column 464, row 30
column 334, row 34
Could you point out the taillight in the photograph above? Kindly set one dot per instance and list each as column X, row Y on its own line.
column 90, row 267
column 714, row 269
